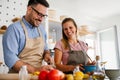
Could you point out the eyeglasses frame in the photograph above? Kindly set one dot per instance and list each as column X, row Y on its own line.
column 40, row 14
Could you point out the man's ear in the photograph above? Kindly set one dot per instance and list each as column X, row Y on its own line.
column 29, row 9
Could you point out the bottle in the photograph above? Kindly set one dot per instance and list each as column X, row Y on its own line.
column 76, row 69
column 78, row 75
column 98, row 73
column 23, row 73
column 98, row 64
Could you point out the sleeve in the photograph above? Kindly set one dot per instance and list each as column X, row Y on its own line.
column 84, row 46
column 58, row 45
column 10, row 46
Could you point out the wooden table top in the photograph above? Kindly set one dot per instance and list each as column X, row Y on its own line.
column 13, row 76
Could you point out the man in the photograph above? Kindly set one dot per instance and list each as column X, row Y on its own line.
column 24, row 42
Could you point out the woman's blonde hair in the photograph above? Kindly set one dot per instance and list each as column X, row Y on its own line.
column 65, row 39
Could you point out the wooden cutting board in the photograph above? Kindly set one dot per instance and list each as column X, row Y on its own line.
column 16, row 77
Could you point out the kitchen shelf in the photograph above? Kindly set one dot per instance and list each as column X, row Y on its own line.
column 0, row 63
column 2, row 31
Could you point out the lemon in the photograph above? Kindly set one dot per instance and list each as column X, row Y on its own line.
column 86, row 76
column 78, row 78
column 79, row 74
column 69, row 77
column 36, row 73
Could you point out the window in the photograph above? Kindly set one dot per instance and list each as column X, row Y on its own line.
column 108, row 45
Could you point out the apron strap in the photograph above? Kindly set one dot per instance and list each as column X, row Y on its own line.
column 25, row 31
column 86, row 53
column 69, row 47
column 81, row 46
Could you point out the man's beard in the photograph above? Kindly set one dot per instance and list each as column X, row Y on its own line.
column 34, row 23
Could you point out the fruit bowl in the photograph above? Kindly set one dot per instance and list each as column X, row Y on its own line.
column 89, row 68
column 112, row 74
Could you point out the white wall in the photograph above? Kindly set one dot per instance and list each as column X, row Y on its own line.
column 10, row 9
column 109, row 21
column 1, row 51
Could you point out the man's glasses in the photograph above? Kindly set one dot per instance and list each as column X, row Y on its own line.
column 40, row 14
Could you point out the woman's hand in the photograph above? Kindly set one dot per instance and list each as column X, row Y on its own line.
column 81, row 67
column 91, row 63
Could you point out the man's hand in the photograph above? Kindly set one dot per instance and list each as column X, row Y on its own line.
column 48, row 58
column 20, row 63
column 46, row 67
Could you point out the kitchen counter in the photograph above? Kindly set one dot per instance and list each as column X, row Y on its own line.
column 15, row 77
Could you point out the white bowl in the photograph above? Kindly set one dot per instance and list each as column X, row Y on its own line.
column 112, row 74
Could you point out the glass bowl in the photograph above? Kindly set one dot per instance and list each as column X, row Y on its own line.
column 112, row 74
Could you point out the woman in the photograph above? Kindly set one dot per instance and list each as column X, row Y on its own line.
column 69, row 51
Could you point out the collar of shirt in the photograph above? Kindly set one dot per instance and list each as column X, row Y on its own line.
column 27, row 23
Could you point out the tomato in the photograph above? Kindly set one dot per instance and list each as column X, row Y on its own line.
column 55, row 75
column 43, row 74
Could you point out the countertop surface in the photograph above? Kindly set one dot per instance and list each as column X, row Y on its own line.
column 16, row 76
